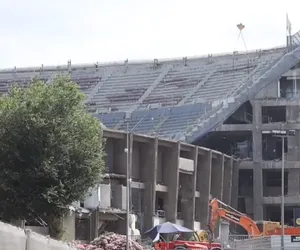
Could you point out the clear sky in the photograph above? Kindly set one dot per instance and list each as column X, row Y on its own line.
column 50, row 32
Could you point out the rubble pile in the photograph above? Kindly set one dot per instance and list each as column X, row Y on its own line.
column 110, row 241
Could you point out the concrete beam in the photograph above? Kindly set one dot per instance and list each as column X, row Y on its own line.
column 270, row 165
column 204, row 186
column 149, row 175
column 227, row 183
column 281, row 125
column 234, row 127
column 288, row 200
column 278, row 102
column 217, row 178
column 171, row 163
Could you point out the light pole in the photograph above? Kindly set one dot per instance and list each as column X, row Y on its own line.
column 282, row 134
column 128, row 152
column 127, row 188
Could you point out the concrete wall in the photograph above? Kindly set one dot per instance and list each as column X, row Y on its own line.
column 270, row 92
column 159, row 165
column 15, row 238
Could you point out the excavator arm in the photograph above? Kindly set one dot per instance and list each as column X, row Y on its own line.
column 216, row 212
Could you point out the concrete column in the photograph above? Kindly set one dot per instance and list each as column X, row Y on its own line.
column 69, row 226
column 224, row 232
column 171, row 164
column 257, row 191
column 257, row 159
column 94, row 224
column 217, row 177
column 235, row 185
column 292, row 117
column 227, row 183
column 188, row 191
column 256, row 133
column 294, row 182
column 257, row 145
column 149, row 175
column 203, row 186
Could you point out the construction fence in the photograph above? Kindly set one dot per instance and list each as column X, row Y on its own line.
column 14, row 238
column 265, row 243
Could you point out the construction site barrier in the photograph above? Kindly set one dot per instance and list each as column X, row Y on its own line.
column 18, row 239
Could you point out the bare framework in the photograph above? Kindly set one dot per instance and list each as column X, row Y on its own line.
column 184, row 173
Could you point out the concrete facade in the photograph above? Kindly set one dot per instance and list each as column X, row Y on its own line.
column 171, row 181
column 264, row 163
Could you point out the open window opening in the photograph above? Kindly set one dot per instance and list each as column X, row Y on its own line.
column 242, row 116
column 289, row 83
column 272, row 147
column 246, row 183
column 237, row 143
column 273, row 213
column 160, row 204
column 272, row 183
column 272, row 114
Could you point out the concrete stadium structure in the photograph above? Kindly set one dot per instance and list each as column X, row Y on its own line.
column 230, row 103
column 171, row 180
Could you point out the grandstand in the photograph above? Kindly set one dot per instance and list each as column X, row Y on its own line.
column 186, row 99
column 147, row 97
column 166, row 98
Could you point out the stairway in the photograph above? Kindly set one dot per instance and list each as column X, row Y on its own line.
column 247, row 91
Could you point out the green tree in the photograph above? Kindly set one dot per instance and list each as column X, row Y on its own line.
column 51, row 151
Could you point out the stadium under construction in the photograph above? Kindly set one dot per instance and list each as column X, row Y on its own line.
column 198, row 127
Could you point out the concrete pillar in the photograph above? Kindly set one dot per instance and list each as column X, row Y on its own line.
column 294, row 182
column 171, row 164
column 292, row 117
column 257, row 145
column 256, row 132
column 224, row 233
column 257, row 159
column 257, row 191
column 69, row 227
column 235, row 185
column 257, row 175
column 149, row 175
column 203, row 186
column 94, row 224
column 227, row 183
column 217, row 177
column 188, row 191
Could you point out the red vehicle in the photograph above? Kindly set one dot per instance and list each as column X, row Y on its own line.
column 186, row 241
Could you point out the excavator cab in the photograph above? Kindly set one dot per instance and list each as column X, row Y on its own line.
column 267, row 226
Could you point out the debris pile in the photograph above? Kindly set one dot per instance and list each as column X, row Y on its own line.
column 110, row 241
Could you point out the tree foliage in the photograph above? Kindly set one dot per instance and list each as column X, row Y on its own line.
column 50, row 150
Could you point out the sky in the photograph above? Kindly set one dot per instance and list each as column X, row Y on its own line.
column 50, row 32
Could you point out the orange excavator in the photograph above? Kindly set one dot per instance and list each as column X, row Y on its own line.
column 219, row 210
